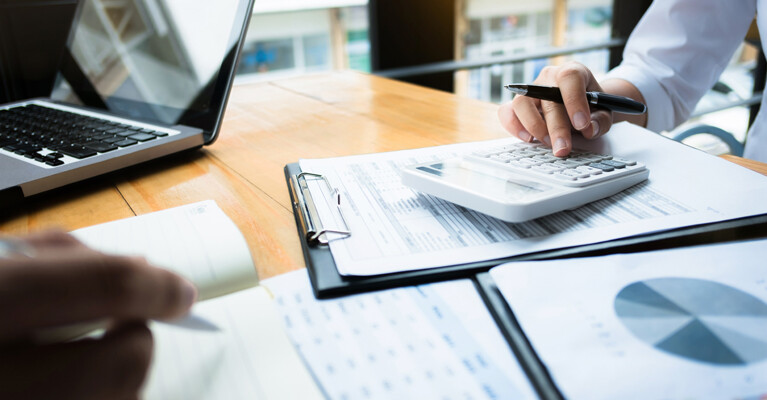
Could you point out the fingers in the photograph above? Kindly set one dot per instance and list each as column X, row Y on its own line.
column 84, row 285
column 553, row 123
column 531, row 121
column 574, row 80
column 510, row 122
column 558, row 124
column 113, row 367
column 40, row 243
column 601, row 122
column 52, row 238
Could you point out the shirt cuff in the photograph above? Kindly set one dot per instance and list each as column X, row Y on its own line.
column 660, row 110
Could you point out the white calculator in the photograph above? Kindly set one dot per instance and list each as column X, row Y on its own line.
column 523, row 181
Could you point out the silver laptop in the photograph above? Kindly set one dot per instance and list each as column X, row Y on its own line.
column 138, row 80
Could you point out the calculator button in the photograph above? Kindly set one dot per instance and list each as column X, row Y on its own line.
column 530, row 161
column 579, row 169
column 540, row 150
column 518, row 164
column 603, row 167
column 625, row 161
column 574, row 173
column 546, row 168
column 567, row 163
column 545, row 158
column 613, row 163
column 589, row 170
column 526, row 153
column 593, row 157
column 563, row 177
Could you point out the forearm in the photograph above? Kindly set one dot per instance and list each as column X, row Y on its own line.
column 624, row 88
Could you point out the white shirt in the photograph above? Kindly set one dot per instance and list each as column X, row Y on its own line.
column 677, row 52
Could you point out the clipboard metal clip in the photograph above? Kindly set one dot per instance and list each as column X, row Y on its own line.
column 311, row 223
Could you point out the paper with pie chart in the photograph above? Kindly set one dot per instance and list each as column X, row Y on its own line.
column 696, row 319
column 687, row 323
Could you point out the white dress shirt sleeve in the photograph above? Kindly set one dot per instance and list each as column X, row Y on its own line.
column 677, row 52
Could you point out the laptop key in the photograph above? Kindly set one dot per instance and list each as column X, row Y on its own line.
column 142, row 137
column 103, row 136
column 113, row 140
column 78, row 152
column 101, row 147
column 54, row 162
column 126, row 143
column 158, row 133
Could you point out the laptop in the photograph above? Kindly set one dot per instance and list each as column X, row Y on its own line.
column 137, row 80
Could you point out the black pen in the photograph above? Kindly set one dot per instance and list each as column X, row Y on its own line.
column 610, row 102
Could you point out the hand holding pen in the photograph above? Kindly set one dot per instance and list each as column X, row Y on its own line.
column 600, row 100
column 566, row 100
column 52, row 280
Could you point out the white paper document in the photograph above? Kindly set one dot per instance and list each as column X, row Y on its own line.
column 238, row 351
column 396, row 229
column 434, row 341
column 197, row 241
column 676, row 324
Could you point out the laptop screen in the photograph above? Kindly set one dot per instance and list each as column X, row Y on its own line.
column 168, row 61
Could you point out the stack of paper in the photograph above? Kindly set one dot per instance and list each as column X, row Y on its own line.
column 396, row 229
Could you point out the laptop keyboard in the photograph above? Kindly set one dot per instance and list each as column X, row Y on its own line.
column 50, row 136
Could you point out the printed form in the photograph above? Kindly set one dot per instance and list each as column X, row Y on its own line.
column 397, row 229
column 434, row 341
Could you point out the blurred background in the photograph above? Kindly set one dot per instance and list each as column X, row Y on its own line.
column 467, row 47
column 304, row 36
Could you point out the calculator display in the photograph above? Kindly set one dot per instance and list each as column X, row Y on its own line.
column 489, row 181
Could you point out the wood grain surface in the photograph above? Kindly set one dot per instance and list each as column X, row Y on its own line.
column 266, row 126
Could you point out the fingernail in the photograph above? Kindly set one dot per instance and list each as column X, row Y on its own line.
column 580, row 121
column 595, row 129
column 547, row 140
column 524, row 135
column 190, row 294
column 560, row 144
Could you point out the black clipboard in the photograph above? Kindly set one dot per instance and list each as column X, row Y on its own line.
column 327, row 282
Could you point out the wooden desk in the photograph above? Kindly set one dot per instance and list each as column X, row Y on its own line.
column 268, row 125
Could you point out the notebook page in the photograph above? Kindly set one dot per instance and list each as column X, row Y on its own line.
column 197, row 241
column 245, row 355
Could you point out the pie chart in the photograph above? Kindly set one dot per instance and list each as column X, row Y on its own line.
column 699, row 320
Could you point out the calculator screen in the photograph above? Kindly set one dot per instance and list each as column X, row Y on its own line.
column 487, row 180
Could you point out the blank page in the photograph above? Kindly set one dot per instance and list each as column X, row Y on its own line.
column 197, row 241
